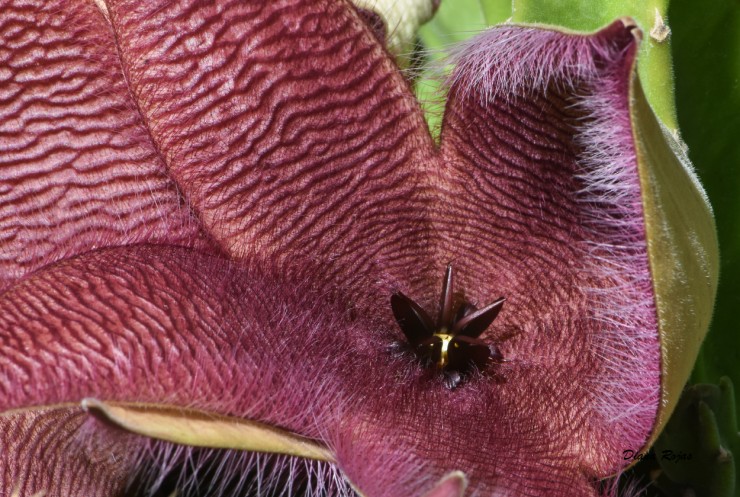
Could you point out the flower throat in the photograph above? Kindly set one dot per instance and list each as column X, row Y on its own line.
column 452, row 344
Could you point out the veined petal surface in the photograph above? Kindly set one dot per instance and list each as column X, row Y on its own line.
column 313, row 193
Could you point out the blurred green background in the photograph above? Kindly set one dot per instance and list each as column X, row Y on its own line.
column 692, row 80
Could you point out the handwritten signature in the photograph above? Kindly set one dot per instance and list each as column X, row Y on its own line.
column 665, row 455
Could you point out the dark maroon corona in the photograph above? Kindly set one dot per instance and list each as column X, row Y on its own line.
column 452, row 344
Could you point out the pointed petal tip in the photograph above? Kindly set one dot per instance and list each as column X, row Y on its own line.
column 475, row 323
column 204, row 429
column 90, row 403
column 510, row 60
column 452, row 484
column 620, row 35
column 626, row 22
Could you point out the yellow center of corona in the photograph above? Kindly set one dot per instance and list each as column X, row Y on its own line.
column 443, row 357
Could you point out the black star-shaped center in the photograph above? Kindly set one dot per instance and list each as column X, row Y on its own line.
column 452, row 345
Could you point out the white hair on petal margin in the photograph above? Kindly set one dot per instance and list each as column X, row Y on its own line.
column 514, row 61
column 484, row 63
column 232, row 473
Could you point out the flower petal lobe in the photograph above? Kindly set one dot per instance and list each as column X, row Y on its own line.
column 288, row 126
column 79, row 169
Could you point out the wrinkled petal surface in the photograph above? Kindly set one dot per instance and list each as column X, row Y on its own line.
column 306, row 190
column 274, row 117
column 79, row 170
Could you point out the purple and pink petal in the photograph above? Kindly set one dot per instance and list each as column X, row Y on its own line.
column 209, row 207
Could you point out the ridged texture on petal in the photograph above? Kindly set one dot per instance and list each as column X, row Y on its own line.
column 170, row 326
column 78, row 168
column 542, row 195
column 61, row 451
column 287, row 125
column 296, row 142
